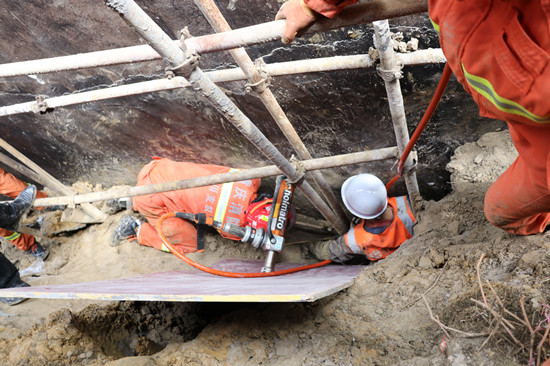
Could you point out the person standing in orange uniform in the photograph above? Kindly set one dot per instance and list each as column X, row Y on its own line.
column 227, row 202
column 500, row 52
column 11, row 187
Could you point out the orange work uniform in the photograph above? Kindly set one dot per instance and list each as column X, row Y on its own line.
column 499, row 51
column 225, row 202
column 377, row 246
column 11, row 187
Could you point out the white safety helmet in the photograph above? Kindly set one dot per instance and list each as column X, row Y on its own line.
column 365, row 196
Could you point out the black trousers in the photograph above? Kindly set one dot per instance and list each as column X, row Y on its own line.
column 9, row 275
column 7, row 214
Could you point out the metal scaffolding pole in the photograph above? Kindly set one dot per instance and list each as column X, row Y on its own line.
column 261, row 87
column 261, row 33
column 160, row 41
column 219, row 76
column 234, row 176
column 391, row 72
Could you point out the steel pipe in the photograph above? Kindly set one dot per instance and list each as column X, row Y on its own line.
column 420, row 57
column 261, row 33
column 235, row 176
column 94, row 95
column 391, row 72
column 152, row 33
column 218, row 22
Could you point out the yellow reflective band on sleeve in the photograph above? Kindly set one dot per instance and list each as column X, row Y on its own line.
column 164, row 248
column 435, row 25
column 225, row 196
column 484, row 87
column 13, row 236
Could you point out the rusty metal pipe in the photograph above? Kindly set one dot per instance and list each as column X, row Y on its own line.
column 261, row 33
column 235, row 176
column 420, row 57
column 152, row 33
column 218, row 22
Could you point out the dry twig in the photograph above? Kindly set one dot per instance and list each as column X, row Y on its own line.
column 501, row 320
column 446, row 328
column 531, row 331
column 425, row 292
column 541, row 343
column 479, row 279
column 502, row 305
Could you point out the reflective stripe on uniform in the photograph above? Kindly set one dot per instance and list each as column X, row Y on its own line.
column 403, row 214
column 435, row 25
column 484, row 87
column 13, row 236
column 352, row 244
column 223, row 201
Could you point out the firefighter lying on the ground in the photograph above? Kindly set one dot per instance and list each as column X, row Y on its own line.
column 385, row 223
column 228, row 203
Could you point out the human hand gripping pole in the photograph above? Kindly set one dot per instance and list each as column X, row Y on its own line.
column 298, row 17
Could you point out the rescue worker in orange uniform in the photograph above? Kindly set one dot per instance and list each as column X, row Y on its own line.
column 500, row 52
column 10, row 218
column 385, row 223
column 226, row 202
column 11, row 187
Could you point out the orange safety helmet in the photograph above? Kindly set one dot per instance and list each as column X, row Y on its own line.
column 258, row 213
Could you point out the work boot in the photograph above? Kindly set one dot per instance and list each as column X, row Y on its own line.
column 15, row 300
column 38, row 251
column 19, row 207
column 117, row 205
column 127, row 228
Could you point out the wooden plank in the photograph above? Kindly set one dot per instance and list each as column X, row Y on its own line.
column 198, row 286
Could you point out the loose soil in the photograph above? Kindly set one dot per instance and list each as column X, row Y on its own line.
column 382, row 319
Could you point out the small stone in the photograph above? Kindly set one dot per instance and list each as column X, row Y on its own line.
column 402, row 47
column 478, row 159
column 412, row 45
column 425, row 263
column 395, row 45
column 536, row 304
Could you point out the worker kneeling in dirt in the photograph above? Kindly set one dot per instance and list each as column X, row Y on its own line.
column 385, row 223
column 226, row 203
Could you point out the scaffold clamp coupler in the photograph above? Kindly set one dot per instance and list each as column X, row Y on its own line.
column 41, row 105
column 191, row 58
column 300, row 170
column 390, row 75
column 263, row 83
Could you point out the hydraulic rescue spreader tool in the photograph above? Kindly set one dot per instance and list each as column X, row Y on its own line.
column 270, row 240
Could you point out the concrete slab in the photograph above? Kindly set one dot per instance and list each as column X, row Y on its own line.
column 198, row 286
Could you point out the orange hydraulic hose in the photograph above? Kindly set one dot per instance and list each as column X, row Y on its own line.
column 445, row 76
column 224, row 273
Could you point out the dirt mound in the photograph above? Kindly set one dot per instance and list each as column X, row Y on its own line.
column 423, row 305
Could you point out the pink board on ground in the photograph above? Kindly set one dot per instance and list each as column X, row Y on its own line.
column 198, row 286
